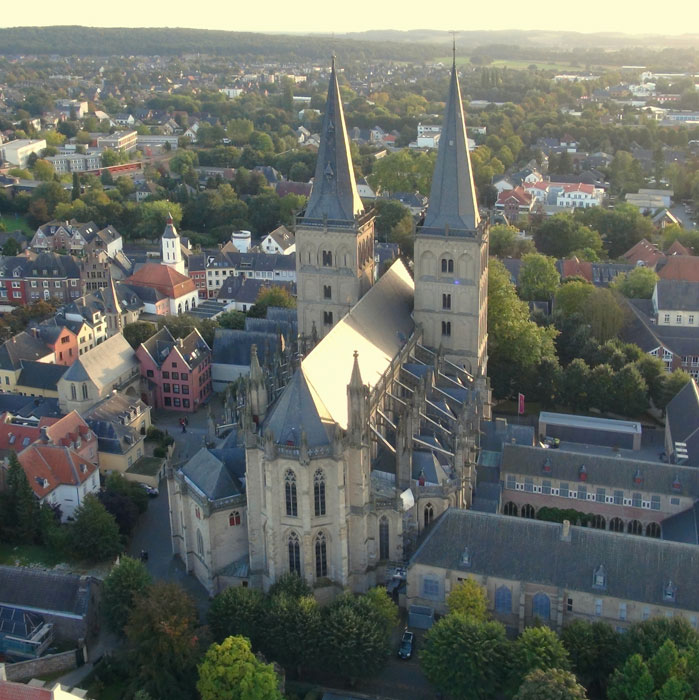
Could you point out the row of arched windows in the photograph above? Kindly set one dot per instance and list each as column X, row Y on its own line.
column 320, row 548
column 599, row 522
column 291, row 496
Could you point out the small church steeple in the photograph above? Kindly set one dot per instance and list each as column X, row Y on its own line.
column 170, row 246
column 334, row 196
column 453, row 194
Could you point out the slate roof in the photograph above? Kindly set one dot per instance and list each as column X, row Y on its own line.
column 44, row 590
column 453, row 194
column 682, row 527
column 40, row 375
column 27, row 407
column 104, row 419
column 52, row 265
column 193, row 348
column 680, row 267
column 23, row 346
column 682, row 420
column 104, row 363
column 334, row 195
column 217, row 473
column 641, row 330
column 613, row 472
column 677, row 295
column 637, row 568
column 232, row 347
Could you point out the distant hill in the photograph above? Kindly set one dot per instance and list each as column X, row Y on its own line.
column 94, row 41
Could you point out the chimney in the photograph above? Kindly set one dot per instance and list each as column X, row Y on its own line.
column 44, row 435
column 565, row 531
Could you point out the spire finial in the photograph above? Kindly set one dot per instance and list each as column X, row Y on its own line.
column 332, row 62
column 453, row 49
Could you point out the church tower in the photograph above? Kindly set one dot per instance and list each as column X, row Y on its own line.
column 170, row 247
column 335, row 235
column 451, row 251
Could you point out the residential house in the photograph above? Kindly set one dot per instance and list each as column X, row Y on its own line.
column 196, row 269
column 12, row 286
column 280, row 241
column 68, row 236
column 111, row 365
column 682, row 426
column 21, row 347
column 278, row 268
column 679, row 267
column 178, row 289
column 541, row 572
column 39, row 690
column 580, row 196
column 59, row 476
column 644, row 253
column 676, row 303
column 175, row 374
column 39, row 379
column 514, row 203
column 120, row 423
column 61, row 339
column 51, row 276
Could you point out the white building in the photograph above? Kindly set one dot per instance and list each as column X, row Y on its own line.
column 171, row 247
column 280, row 241
column 17, row 152
column 75, row 162
column 579, row 195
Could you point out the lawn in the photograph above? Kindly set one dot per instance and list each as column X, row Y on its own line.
column 27, row 554
column 15, row 224
column 149, row 466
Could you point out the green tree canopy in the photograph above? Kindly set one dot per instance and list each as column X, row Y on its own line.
column 238, row 611
column 538, row 277
column 639, row 283
column 128, row 580
column 551, row 684
column 469, row 598
column 538, row 648
column 571, row 297
column 138, row 332
column 95, row 533
column 271, row 296
column 561, row 234
column 632, row 681
column 505, row 242
column 230, row 671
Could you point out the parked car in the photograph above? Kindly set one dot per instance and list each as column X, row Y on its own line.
column 552, row 443
column 150, row 490
column 407, row 645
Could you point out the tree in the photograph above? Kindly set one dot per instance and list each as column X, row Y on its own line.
column 469, row 598
column 538, row 648
column 127, row 581
column 505, row 242
column 593, row 649
column 271, row 296
column 231, row 319
column 482, row 651
column 672, row 384
column 122, row 508
column 632, row 681
column 604, row 314
column 239, row 131
column 639, row 283
column 625, row 173
column 645, row 638
column 138, row 332
column 571, row 297
column 384, row 607
column 620, row 228
column 238, row 611
column 629, row 392
column 404, row 171
column 11, row 247
column 538, row 277
column 95, row 533
column 652, row 370
column 22, row 507
column 161, row 632
column 184, row 161
column 561, row 234
column 154, row 216
column 552, row 684
column 43, row 170
column 575, row 389
column 230, row 671
column 264, row 212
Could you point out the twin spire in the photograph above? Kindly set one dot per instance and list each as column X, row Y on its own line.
column 334, row 196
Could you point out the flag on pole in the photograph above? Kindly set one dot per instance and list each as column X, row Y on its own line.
column 520, row 404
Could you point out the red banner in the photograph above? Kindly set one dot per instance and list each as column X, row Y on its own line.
column 520, row 404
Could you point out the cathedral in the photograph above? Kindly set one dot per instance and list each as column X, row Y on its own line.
column 376, row 433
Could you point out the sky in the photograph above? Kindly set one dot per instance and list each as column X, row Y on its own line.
column 628, row 16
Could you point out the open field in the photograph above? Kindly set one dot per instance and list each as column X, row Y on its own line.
column 16, row 224
column 523, row 64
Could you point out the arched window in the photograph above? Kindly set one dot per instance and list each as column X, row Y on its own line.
column 321, row 556
column 383, row 538
column 616, row 525
column 200, row 544
column 503, row 600
column 429, row 514
column 294, row 554
column 84, row 391
column 653, row 530
column 510, row 509
column 634, row 528
column 528, row 511
column 73, row 392
column 290, row 492
column 234, row 518
column 541, row 606
column 319, row 492
column 447, row 265
column 598, row 522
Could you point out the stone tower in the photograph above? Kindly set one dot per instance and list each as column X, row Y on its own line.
column 335, row 235
column 170, row 247
column 451, row 252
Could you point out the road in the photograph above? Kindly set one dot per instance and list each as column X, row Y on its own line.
column 684, row 217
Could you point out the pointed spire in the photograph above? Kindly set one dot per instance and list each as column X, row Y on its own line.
column 356, row 378
column 334, row 196
column 453, row 194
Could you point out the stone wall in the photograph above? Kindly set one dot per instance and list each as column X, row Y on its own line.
column 45, row 665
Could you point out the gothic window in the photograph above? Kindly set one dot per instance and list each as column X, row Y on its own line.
column 446, row 328
column 448, row 265
column 598, row 522
column 653, row 530
column 290, row 493
column 503, row 600
column 73, row 392
column 327, row 291
column 327, row 258
column 510, row 509
column 383, row 538
column 634, row 528
column 200, row 544
column 429, row 514
column 234, row 518
column 616, row 525
column 319, row 492
column 528, row 511
column 294, row 554
column 328, row 318
column 84, row 391
column 541, row 606
column 321, row 556
column 446, row 301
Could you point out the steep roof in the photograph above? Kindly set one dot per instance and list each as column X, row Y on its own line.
column 680, row 267
column 677, row 295
column 40, row 375
column 50, row 466
column 217, row 473
column 453, row 194
column 104, row 363
column 637, row 568
column 644, row 251
column 23, row 346
column 162, row 277
column 682, row 418
column 334, row 195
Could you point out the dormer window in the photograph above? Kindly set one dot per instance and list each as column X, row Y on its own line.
column 582, row 473
column 676, row 484
column 599, row 577
column 669, row 592
column 466, row 557
column 547, row 466
column 83, row 468
column 638, row 478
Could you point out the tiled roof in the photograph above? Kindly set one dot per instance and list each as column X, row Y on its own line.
column 680, row 267
column 644, row 251
column 163, row 277
column 49, row 466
